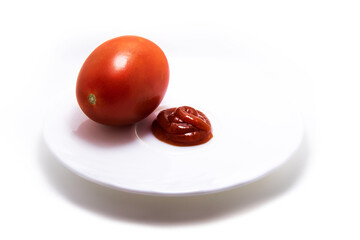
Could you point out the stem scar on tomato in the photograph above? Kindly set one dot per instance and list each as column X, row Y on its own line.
column 92, row 99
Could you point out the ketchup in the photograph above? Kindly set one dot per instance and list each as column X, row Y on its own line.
column 182, row 126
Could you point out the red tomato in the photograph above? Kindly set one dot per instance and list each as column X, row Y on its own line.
column 122, row 81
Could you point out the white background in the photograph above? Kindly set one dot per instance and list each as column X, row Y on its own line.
column 314, row 195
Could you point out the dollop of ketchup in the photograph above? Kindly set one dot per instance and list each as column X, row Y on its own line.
column 182, row 126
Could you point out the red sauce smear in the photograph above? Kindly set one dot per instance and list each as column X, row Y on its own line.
column 182, row 126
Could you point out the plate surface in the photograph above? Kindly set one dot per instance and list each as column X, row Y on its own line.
column 254, row 133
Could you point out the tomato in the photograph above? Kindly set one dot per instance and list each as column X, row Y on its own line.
column 122, row 81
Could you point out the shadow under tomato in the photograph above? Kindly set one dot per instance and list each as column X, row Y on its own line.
column 104, row 136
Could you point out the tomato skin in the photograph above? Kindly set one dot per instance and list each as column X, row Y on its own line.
column 122, row 81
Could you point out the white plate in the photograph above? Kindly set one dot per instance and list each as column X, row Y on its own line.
column 254, row 133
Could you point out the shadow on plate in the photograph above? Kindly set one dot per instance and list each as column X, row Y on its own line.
column 102, row 136
column 157, row 210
